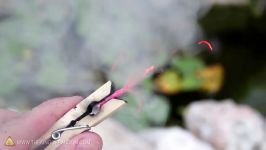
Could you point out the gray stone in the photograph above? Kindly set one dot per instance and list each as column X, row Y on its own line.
column 226, row 125
column 174, row 138
column 117, row 137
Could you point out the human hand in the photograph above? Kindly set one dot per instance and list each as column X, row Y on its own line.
column 25, row 128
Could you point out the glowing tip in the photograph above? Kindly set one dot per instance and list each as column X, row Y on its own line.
column 149, row 70
column 206, row 42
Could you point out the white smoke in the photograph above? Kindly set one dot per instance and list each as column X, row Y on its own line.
column 134, row 34
column 62, row 44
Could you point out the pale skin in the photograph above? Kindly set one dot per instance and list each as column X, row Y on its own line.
column 33, row 124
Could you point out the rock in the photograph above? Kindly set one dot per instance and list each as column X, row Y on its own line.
column 117, row 137
column 174, row 138
column 263, row 146
column 226, row 125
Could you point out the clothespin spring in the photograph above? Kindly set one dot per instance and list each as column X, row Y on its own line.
column 57, row 133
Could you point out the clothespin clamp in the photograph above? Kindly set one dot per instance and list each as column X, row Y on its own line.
column 84, row 116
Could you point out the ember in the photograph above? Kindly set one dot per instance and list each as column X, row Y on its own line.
column 206, row 42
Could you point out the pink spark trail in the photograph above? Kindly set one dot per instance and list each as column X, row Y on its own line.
column 206, row 42
column 149, row 70
column 126, row 88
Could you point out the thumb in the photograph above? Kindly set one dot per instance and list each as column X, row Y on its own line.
column 84, row 141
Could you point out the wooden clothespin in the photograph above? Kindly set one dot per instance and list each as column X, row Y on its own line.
column 80, row 118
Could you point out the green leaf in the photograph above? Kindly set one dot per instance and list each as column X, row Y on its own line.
column 187, row 65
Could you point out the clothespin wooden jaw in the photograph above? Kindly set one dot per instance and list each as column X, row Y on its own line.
column 49, row 143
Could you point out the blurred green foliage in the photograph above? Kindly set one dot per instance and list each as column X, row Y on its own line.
column 188, row 67
column 151, row 110
column 8, row 79
column 188, row 73
column 52, row 72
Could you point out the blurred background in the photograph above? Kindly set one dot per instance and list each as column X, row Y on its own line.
column 197, row 98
